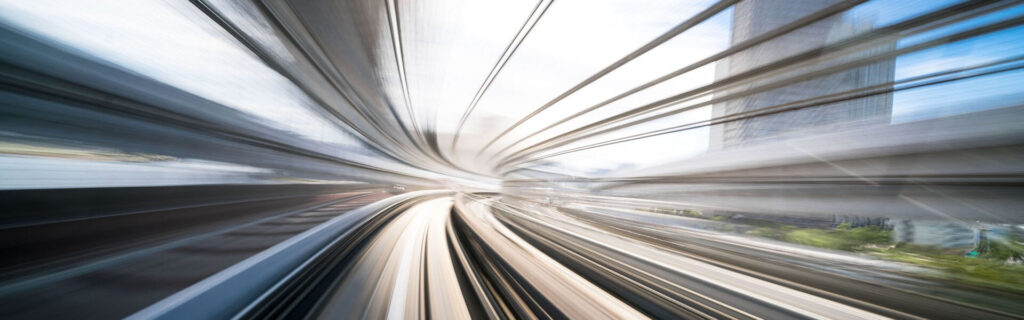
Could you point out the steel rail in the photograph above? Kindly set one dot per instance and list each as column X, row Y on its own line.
column 746, row 44
column 524, row 30
column 884, row 88
column 329, row 71
column 668, row 35
column 260, row 53
column 776, row 68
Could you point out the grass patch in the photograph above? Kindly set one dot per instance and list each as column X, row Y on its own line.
column 679, row 212
column 777, row 233
column 840, row 238
column 989, row 269
column 982, row 271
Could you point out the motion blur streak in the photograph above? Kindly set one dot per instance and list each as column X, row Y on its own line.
column 483, row 159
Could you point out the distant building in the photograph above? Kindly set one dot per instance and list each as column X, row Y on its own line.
column 753, row 18
column 935, row 233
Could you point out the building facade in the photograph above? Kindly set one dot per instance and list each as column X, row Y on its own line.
column 755, row 17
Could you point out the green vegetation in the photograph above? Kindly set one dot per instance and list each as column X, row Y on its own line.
column 773, row 232
column 991, row 265
column 678, row 212
column 985, row 270
column 1010, row 248
column 989, row 268
column 841, row 238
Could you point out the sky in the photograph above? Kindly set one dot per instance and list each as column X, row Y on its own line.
column 453, row 44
